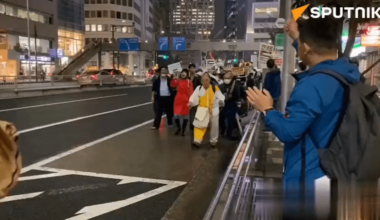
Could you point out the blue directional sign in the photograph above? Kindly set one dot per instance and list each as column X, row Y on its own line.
column 53, row 53
column 60, row 53
column 179, row 43
column 129, row 44
column 163, row 43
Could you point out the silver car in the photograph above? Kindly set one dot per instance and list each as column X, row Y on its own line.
column 96, row 77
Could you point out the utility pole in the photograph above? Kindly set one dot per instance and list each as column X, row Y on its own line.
column 288, row 57
column 114, row 41
column 35, row 49
column 28, row 23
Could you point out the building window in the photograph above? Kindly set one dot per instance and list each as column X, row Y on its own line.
column 130, row 30
column 93, row 14
column 88, row 27
column 106, row 40
column 86, row 14
column 112, row 1
column 118, row 2
column 125, row 2
column 130, row 17
column 124, row 16
column 9, row 10
column 93, row 1
column 265, row 10
column 98, row 14
column 118, row 15
column 88, row 40
column 2, row 9
column 105, row 14
column 87, row 1
column 130, row 3
column 113, row 14
column 99, row 1
column 93, row 27
column 105, row 1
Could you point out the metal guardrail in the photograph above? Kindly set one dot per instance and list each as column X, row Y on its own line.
column 221, row 204
column 17, row 83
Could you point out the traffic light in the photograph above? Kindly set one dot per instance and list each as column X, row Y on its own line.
column 165, row 57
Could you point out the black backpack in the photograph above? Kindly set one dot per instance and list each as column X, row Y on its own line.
column 354, row 152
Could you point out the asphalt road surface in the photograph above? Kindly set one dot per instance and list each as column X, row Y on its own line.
column 93, row 156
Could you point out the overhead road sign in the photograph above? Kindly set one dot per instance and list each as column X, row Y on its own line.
column 129, row 44
column 163, row 43
column 179, row 43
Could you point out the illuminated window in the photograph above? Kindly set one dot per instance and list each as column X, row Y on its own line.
column 100, row 27
column 93, row 27
column 88, row 28
column 265, row 10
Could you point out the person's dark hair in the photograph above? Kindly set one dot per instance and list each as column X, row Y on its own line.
column 302, row 66
column 186, row 71
column 192, row 65
column 271, row 64
column 160, row 68
column 319, row 33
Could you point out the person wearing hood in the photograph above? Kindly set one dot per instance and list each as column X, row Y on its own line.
column 233, row 91
column 163, row 96
column 312, row 114
column 184, row 89
column 272, row 82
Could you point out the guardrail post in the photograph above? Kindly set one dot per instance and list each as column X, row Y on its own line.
column 16, row 83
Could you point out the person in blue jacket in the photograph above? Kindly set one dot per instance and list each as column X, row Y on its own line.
column 312, row 115
column 272, row 82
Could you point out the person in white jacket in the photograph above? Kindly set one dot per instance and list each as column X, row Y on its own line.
column 208, row 99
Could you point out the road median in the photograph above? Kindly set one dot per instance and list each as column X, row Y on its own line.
column 60, row 89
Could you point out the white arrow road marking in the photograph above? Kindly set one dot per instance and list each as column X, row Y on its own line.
column 20, row 197
column 124, row 179
column 90, row 212
column 42, row 176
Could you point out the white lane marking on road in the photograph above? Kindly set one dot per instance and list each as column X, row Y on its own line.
column 42, row 176
column 20, row 197
column 61, row 103
column 64, row 154
column 93, row 211
column 80, row 118
column 124, row 179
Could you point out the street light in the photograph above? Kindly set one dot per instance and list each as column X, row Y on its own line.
column 113, row 27
column 162, row 32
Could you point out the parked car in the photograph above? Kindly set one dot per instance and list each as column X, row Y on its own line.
column 96, row 77
column 118, row 75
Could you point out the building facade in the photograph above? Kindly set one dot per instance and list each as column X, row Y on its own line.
column 192, row 17
column 14, row 42
column 123, row 19
column 71, row 26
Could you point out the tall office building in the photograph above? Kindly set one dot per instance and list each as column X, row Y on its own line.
column 71, row 26
column 192, row 17
column 130, row 19
column 14, row 41
column 251, row 20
